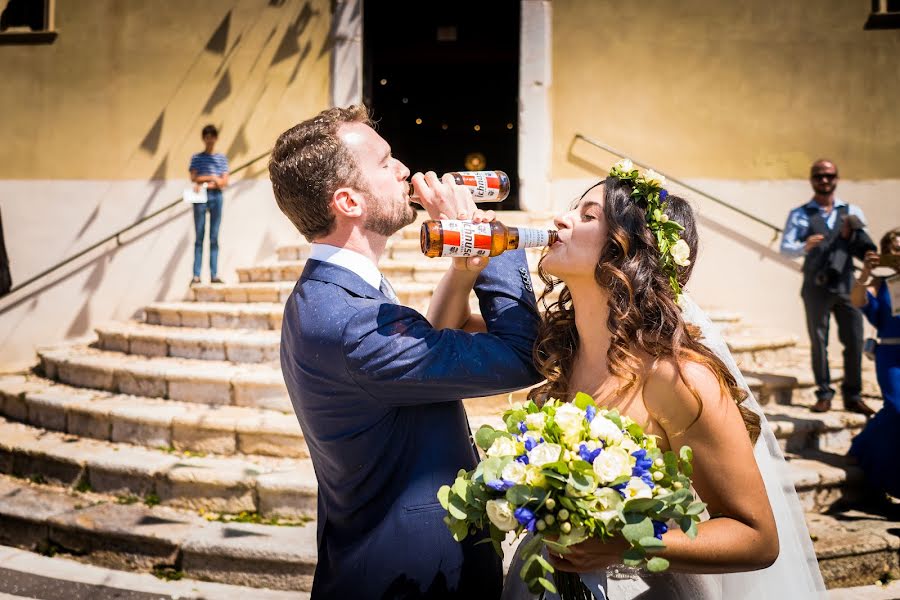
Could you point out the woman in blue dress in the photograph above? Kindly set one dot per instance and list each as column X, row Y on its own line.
column 878, row 445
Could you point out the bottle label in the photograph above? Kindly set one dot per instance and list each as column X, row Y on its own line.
column 533, row 238
column 485, row 185
column 464, row 238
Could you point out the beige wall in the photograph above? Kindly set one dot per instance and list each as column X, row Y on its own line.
column 125, row 89
column 730, row 90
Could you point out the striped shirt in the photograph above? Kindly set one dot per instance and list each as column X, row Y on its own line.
column 209, row 164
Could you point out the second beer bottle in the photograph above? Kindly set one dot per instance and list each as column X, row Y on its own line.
column 465, row 239
column 486, row 186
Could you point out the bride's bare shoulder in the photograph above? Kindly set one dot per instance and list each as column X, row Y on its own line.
column 676, row 392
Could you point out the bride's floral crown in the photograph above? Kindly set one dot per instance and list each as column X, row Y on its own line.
column 674, row 252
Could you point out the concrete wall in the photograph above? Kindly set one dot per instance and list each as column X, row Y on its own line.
column 98, row 129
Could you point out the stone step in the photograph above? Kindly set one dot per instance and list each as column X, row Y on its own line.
column 268, row 486
column 219, row 315
column 234, row 345
column 31, row 575
column 199, row 381
column 875, row 591
column 853, row 548
column 267, row 291
column 150, row 422
column 856, row 548
column 135, row 537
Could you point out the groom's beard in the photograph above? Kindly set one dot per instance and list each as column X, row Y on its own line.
column 388, row 216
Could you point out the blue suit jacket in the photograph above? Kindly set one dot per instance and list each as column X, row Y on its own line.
column 377, row 392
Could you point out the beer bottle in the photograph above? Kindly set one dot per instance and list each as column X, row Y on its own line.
column 464, row 238
column 486, row 186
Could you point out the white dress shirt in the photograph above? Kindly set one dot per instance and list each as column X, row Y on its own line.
column 350, row 260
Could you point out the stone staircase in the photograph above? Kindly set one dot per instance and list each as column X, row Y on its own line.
column 168, row 444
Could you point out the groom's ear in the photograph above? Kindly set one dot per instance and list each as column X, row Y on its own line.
column 347, row 203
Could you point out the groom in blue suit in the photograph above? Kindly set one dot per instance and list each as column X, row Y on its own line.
column 376, row 386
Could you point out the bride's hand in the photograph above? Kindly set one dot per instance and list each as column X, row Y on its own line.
column 591, row 555
column 475, row 263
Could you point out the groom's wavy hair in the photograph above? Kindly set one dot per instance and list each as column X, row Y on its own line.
column 643, row 314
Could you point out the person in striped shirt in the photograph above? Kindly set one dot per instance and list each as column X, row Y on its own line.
column 210, row 168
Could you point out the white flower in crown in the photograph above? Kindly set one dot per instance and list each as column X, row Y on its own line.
column 681, row 253
column 654, row 179
column 623, row 168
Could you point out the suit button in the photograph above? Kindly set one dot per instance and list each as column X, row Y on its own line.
column 523, row 270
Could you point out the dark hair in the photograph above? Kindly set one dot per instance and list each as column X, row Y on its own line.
column 643, row 312
column 309, row 162
column 884, row 246
column 210, row 130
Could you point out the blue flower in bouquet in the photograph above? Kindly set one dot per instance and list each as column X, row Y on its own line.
column 526, row 518
column 531, row 443
column 522, row 427
column 663, row 194
column 501, row 485
column 642, row 462
column 522, row 459
column 659, row 528
column 589, row 413
column 588, row 455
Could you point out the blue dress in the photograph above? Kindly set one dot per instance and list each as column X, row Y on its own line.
column 878, row 445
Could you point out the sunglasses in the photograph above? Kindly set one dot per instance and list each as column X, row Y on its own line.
column 826, row 176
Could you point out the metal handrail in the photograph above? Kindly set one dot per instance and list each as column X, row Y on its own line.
column 775, row 229
column 117, row 235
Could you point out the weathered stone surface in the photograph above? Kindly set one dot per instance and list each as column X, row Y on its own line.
column 145, row 425
column 125, row 471
column 211, row 484
column 288, row 493
column 24, row 512
column 206, row 431
column 272, row 434
column 246, row 554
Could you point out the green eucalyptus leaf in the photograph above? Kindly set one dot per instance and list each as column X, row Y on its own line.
column 443, row 496
column 633, row 556
column 457, row 508
column 695, row 508
column 651, row 542
column 657, row 564
column 547, row 585
column 485, row 436
column 637, row 527
column 583, row 400
column 642, row 505
column 519, row 495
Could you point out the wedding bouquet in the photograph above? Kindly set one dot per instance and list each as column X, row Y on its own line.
column 567, row 472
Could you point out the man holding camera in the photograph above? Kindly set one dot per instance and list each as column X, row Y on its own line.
column 828, row 232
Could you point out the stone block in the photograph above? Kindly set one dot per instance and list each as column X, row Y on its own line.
column 94, row 376
column 208, row 294
column 197, row 348
column 48, row 410
column 124, row 537
column 144, row 344
column 272, row 435
column 144, row 381
column 90, row 419
column 226, row 320
column 280, row 558
column 206, row 432
column 15, row 407
column 152, row 316
column 261, row 294
column 144, row 424
column 251, row 389
column 113, row 341
column 234, row 294
column 290, row 494
column 169, row 317
column 195, row 318
column 251, row 351
column 220, row 485
column 202, row 389
column 24, row 510
column 125, row 470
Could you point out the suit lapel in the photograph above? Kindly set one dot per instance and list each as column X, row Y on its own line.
column 345, row 278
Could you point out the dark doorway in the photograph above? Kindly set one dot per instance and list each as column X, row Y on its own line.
column 442, row 80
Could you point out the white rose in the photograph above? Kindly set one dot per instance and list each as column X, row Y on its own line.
column 514, row 471
column 681, row 253
column 502, row 514
column 608, row 501
column 536, row 420
column 628, row 445
column 535, row 477
column 503, row 446
column 543, row 454
column 604, row 429
column 653, row 178
column 612, row 464
column 625, row 165
column 636, row 488
column 570, row 419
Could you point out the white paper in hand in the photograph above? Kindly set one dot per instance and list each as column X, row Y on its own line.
column 192, row 197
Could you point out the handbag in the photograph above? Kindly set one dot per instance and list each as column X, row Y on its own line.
column 191, row 197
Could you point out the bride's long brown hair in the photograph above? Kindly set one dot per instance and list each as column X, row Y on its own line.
column 643, row 313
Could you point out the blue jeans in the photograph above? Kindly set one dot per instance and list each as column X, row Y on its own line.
column 214, row 206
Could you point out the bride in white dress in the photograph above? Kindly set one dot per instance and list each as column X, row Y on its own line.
column 618, row 333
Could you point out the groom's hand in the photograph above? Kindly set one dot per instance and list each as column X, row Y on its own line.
column 443, row 199
column 475, row 264
column 590, row 555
